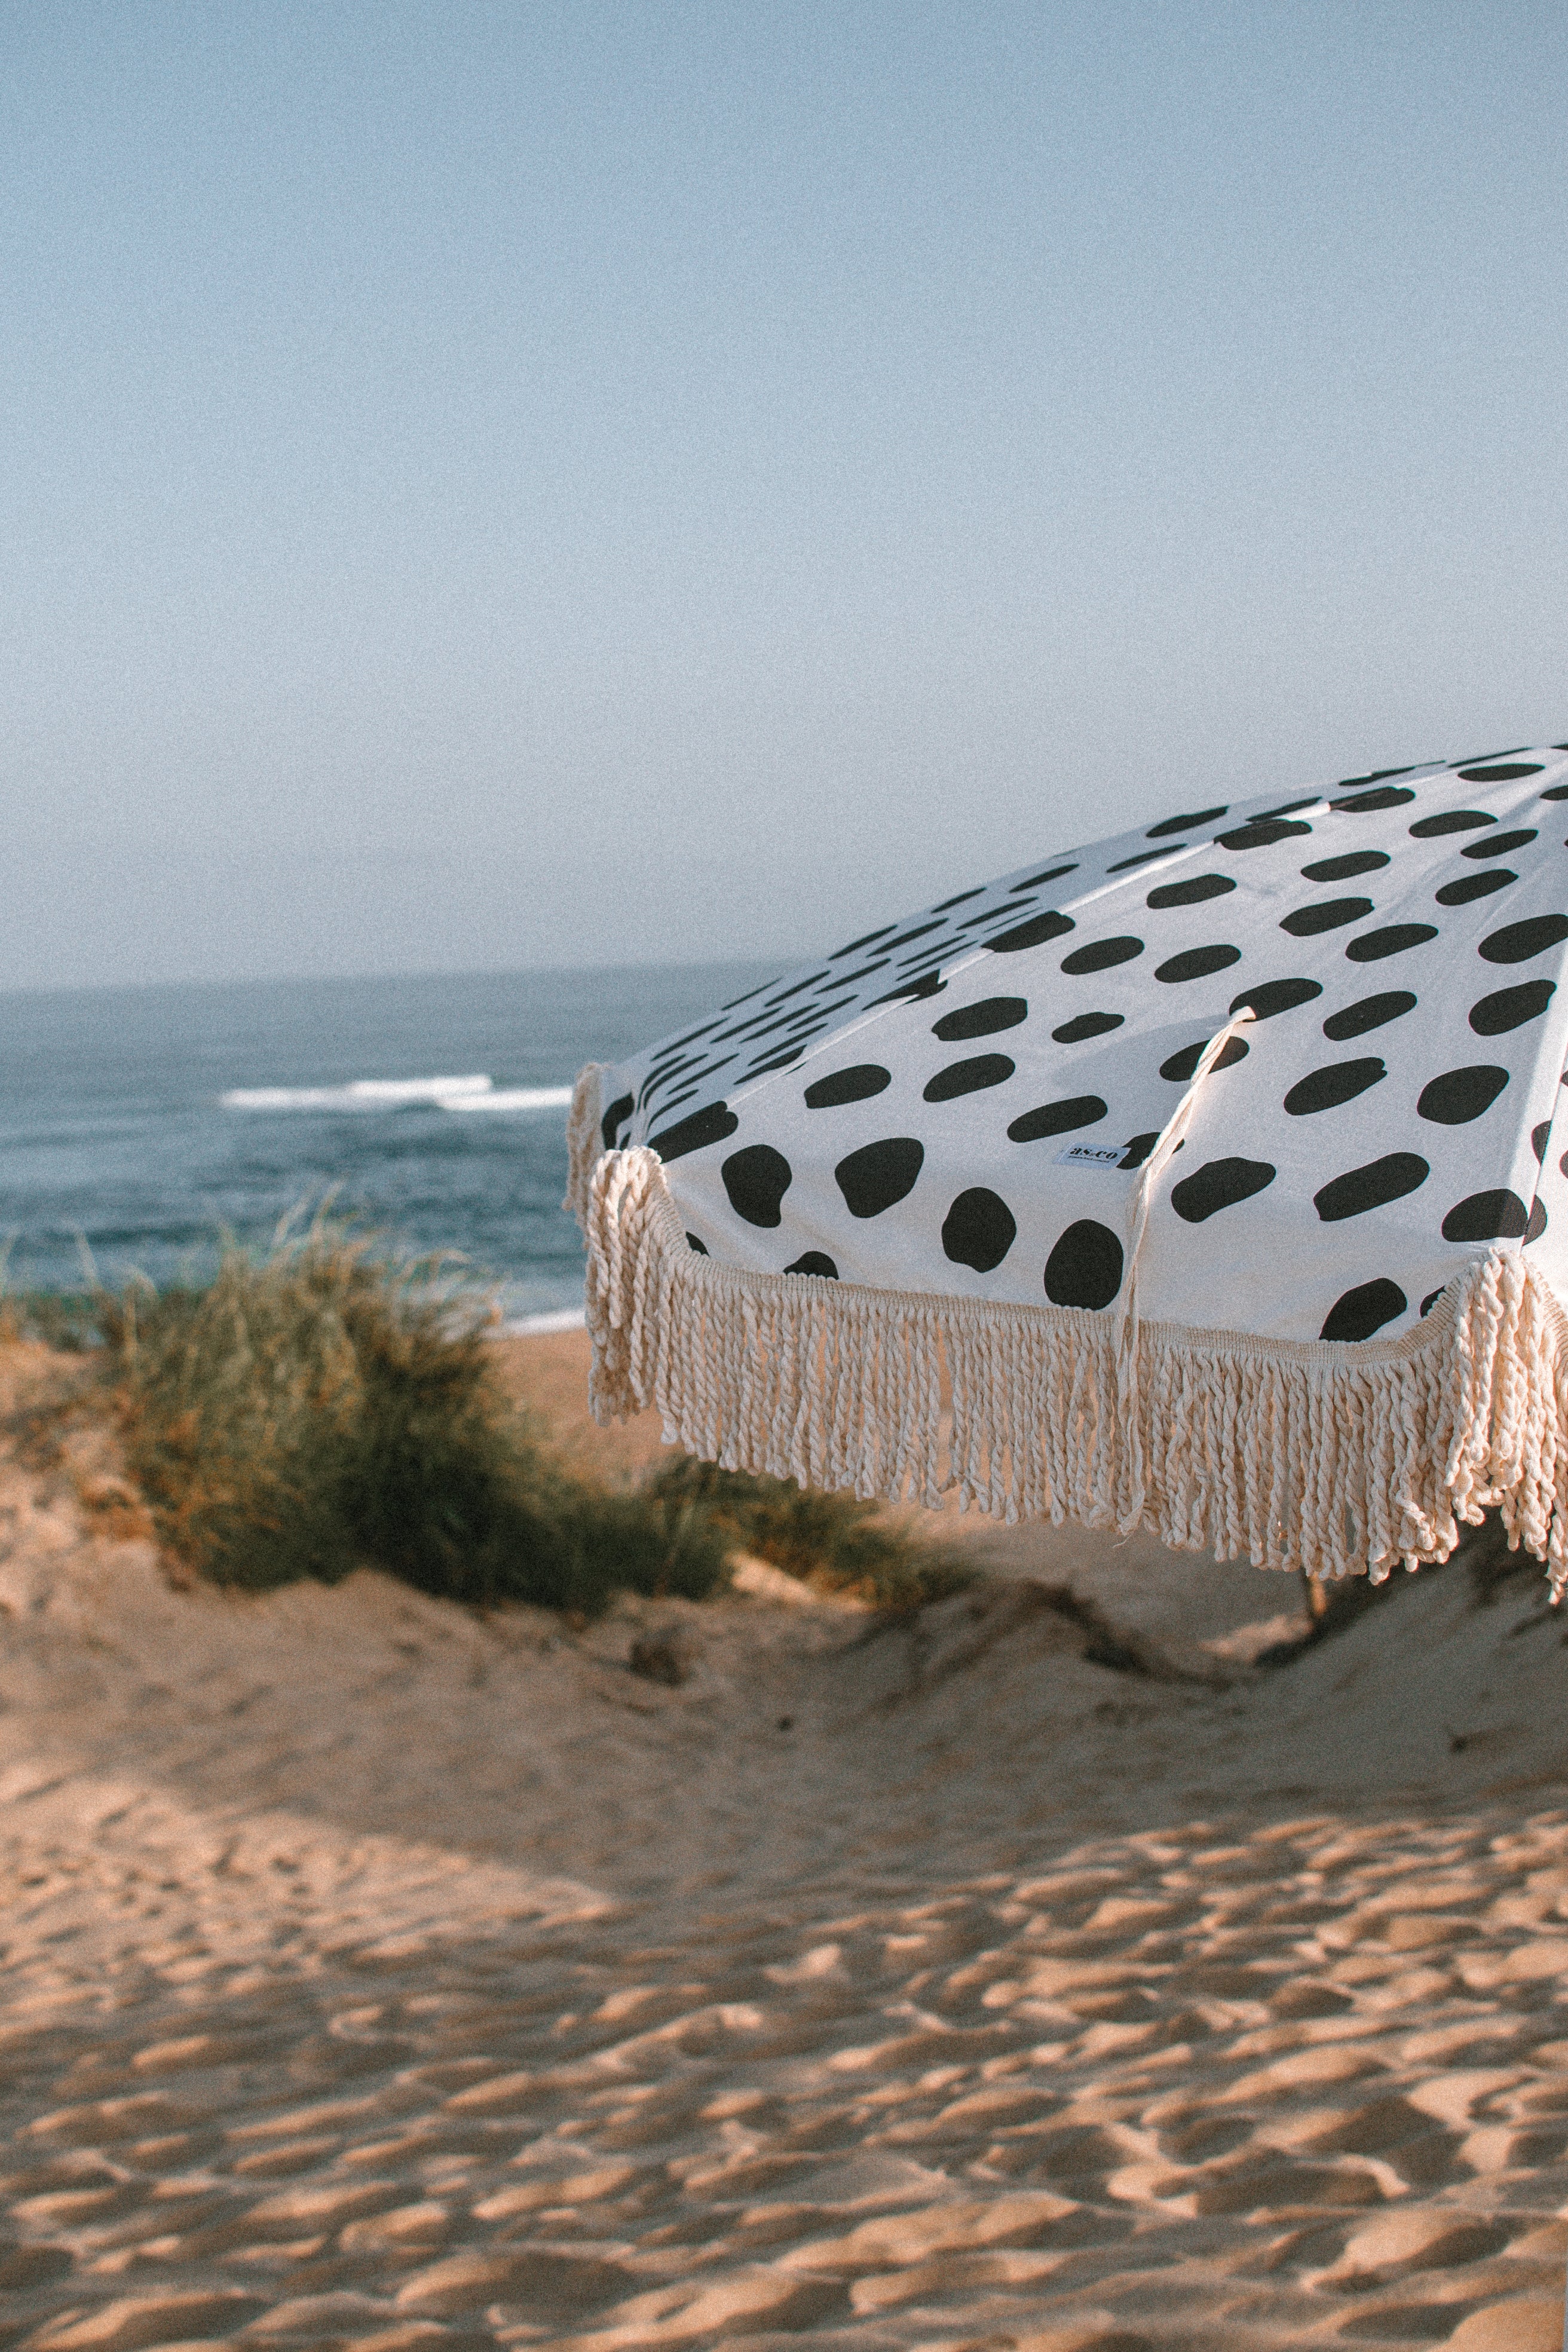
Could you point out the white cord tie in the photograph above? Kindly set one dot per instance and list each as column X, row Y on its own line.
column 1166, row 1145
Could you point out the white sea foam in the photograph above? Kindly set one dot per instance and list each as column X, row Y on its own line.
column 473, row 1093
column 512, row 1098
column 561, row 1318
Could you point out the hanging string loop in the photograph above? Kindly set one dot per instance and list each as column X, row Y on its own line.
column 1167, row 1143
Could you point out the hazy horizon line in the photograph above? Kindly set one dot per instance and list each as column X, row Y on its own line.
column 385, row 979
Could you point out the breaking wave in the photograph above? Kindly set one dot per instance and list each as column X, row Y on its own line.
column 476, row 1093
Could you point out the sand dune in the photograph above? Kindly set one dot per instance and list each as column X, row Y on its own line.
column 1036, row 1974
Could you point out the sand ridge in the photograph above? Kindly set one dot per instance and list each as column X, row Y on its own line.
column 379, row 1974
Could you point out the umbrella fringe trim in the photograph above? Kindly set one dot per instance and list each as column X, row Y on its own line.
column 583, row 1141
column 1336, row 1458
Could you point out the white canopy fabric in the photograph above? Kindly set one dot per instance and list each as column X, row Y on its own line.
column 1217, row 1166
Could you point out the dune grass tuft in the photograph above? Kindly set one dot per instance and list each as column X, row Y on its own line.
column 70, row 1321
column 319, row 1410
column 832, row 1541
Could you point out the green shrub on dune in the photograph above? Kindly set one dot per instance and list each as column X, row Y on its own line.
column 320, row 1411
column 69, row 1322
column 832, row 1541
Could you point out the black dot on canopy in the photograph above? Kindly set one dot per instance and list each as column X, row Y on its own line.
column 1355, row 1019
column 622, row 1107
column 1517, row 942
column 1088, row 1024
column 1555, row 792
column 879, row 1174
column 1033, row 881
column 1537, row 1225
column 1220, row 1184
column 1183, row 1064
column 1386, row 796
column 1430, row 1301
column 1190, row 894
column 1144, row 858
column 1499, row 845
column 1371, row 1186
column 1375, row 775
column 1261, row 833
column 814, row 1262
column 1358, row 1313
column 1272, row 996
column 1502, row 772
column 1372, row 946
column 1508, row 1008
column 853, row 947
column 968, row 1077
column 858, row 1084
column 1031, row 934
column 1084, row 1268
column 1197, row 963
column 1138, row 1148
column 1057, row 1118
column 931, row 984
column 710, row 1126
column 1430, row 828
column 1326, row 915
column 1342, row 869
column 1340, row 1083
column 1099, row 955
column 1494, row 1216
column 1458, row 1095
column 1540, row 1137
column 756, row 1179
column 799, row 988
column 692, row 1242
column 982, row 1020
column 959, row 898
column 1167, row 825
column 978, row 1230
column 1474, row 885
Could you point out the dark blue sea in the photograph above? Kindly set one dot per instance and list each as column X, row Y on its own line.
column 138, row 1126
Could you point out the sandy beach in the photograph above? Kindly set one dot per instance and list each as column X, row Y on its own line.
column 1040, row 1972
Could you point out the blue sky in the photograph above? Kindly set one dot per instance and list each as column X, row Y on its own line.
column 503, row 486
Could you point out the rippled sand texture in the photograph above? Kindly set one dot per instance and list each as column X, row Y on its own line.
column 378, row 1976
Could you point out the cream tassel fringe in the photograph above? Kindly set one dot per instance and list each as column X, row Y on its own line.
column 1337, row 1459
column 583, row 1141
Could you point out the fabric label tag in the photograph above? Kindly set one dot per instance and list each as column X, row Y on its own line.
column 1091, row 1155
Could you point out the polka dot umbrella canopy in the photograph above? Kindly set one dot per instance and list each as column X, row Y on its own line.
column 1208, row 1179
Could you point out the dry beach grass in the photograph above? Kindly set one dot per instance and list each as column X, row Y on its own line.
column 1030, row 1970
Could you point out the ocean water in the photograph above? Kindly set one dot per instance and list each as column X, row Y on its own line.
column 137, row 1126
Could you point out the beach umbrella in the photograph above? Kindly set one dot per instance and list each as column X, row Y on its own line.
column 1208, row 1179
